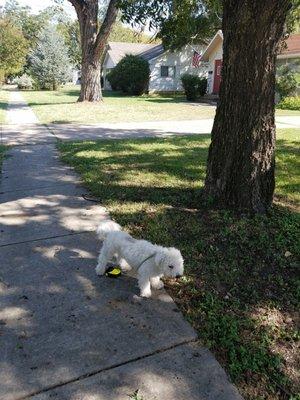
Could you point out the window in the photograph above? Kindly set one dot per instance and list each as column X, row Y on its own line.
column 164, row 71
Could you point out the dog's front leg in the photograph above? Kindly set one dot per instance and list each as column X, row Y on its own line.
column 144, row 282
column 156, row 283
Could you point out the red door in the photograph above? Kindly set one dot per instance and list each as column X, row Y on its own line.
column 217, row 76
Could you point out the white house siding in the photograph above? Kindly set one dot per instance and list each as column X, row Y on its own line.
column 108, row 64
column 182, row 61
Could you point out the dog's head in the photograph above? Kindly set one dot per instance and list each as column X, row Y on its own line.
column 170, row 262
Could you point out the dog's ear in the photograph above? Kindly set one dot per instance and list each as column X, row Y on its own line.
column 159, row 259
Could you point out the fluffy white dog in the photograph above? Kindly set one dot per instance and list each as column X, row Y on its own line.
column 150, row 261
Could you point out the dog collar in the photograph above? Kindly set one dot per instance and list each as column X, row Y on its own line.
column 146, row 259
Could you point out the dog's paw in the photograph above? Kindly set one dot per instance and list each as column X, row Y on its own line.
column 99, row 270
column 157, row 285
column 146, row 293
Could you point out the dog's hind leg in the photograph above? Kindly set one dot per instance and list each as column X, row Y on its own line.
column 123, row 264
column 105, row 255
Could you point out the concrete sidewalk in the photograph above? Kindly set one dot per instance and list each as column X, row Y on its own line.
column 15, row 135
column 65, row 333
column 148, row 129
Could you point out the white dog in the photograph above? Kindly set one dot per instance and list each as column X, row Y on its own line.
column 150, row 261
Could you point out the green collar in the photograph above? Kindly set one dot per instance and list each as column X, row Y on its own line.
column 146, row 259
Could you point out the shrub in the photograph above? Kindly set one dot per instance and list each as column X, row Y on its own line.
column 131, row 75
column 24, row 82
column 193, row 86
column 190, row 85
column 113, row 79
column 202, row 86
column 286, row 83
column 290, row 103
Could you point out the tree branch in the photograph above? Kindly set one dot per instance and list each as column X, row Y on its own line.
column 78, row 3
column 105, row 29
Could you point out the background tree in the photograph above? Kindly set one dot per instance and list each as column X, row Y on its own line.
column 121, row 33
column 30, row 24
column 70, row 32
column 176, row 23
column 13, row 48
column 240, row 168
column 50, row 64
column 69, row 29
column 93, row 37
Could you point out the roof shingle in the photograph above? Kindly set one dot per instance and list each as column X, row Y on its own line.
column 117, row 50
column 292, row 45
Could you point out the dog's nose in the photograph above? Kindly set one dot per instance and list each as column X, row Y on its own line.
column 178, row 276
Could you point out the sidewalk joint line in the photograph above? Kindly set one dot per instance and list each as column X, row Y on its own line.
column 42, row 187
column 96, row 372
column 45, row 238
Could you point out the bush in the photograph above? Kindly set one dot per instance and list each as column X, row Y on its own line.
column 24, row 82
column 113, row 79
column 290, row 103
column 286, row 83
column 202, row 86
column 193, row 86
column 131, row 75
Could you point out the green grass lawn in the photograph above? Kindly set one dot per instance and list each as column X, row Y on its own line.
column 240, row 288
column 62, row 107
column 4, row 95
column 289, row 113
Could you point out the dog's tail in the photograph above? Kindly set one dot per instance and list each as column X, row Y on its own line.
column 106, row 227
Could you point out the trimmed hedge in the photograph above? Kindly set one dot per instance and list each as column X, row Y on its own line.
column 131, row 75
column 290, row 103
column 193, row 86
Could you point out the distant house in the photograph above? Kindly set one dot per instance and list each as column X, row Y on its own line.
column 166, row 67
column 291, row 53
column 213, row 55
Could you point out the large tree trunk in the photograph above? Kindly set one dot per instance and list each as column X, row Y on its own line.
column 93, row 41
column 90, row 81
column 240, row 170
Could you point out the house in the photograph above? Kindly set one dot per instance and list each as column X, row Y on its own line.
column 166, row 67
column 290, row 54
column 213, row 55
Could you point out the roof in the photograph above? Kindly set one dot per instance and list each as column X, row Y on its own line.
column 153, row 52
column 117, row 50
column 215, row 41
column 292, row 46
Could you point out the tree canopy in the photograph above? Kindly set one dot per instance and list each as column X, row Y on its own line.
column 176, row 22
column 30, row 24
column 186, row 21
column 13, row 48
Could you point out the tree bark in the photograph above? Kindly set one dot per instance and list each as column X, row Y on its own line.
column 93, row 41
column 240, row 168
